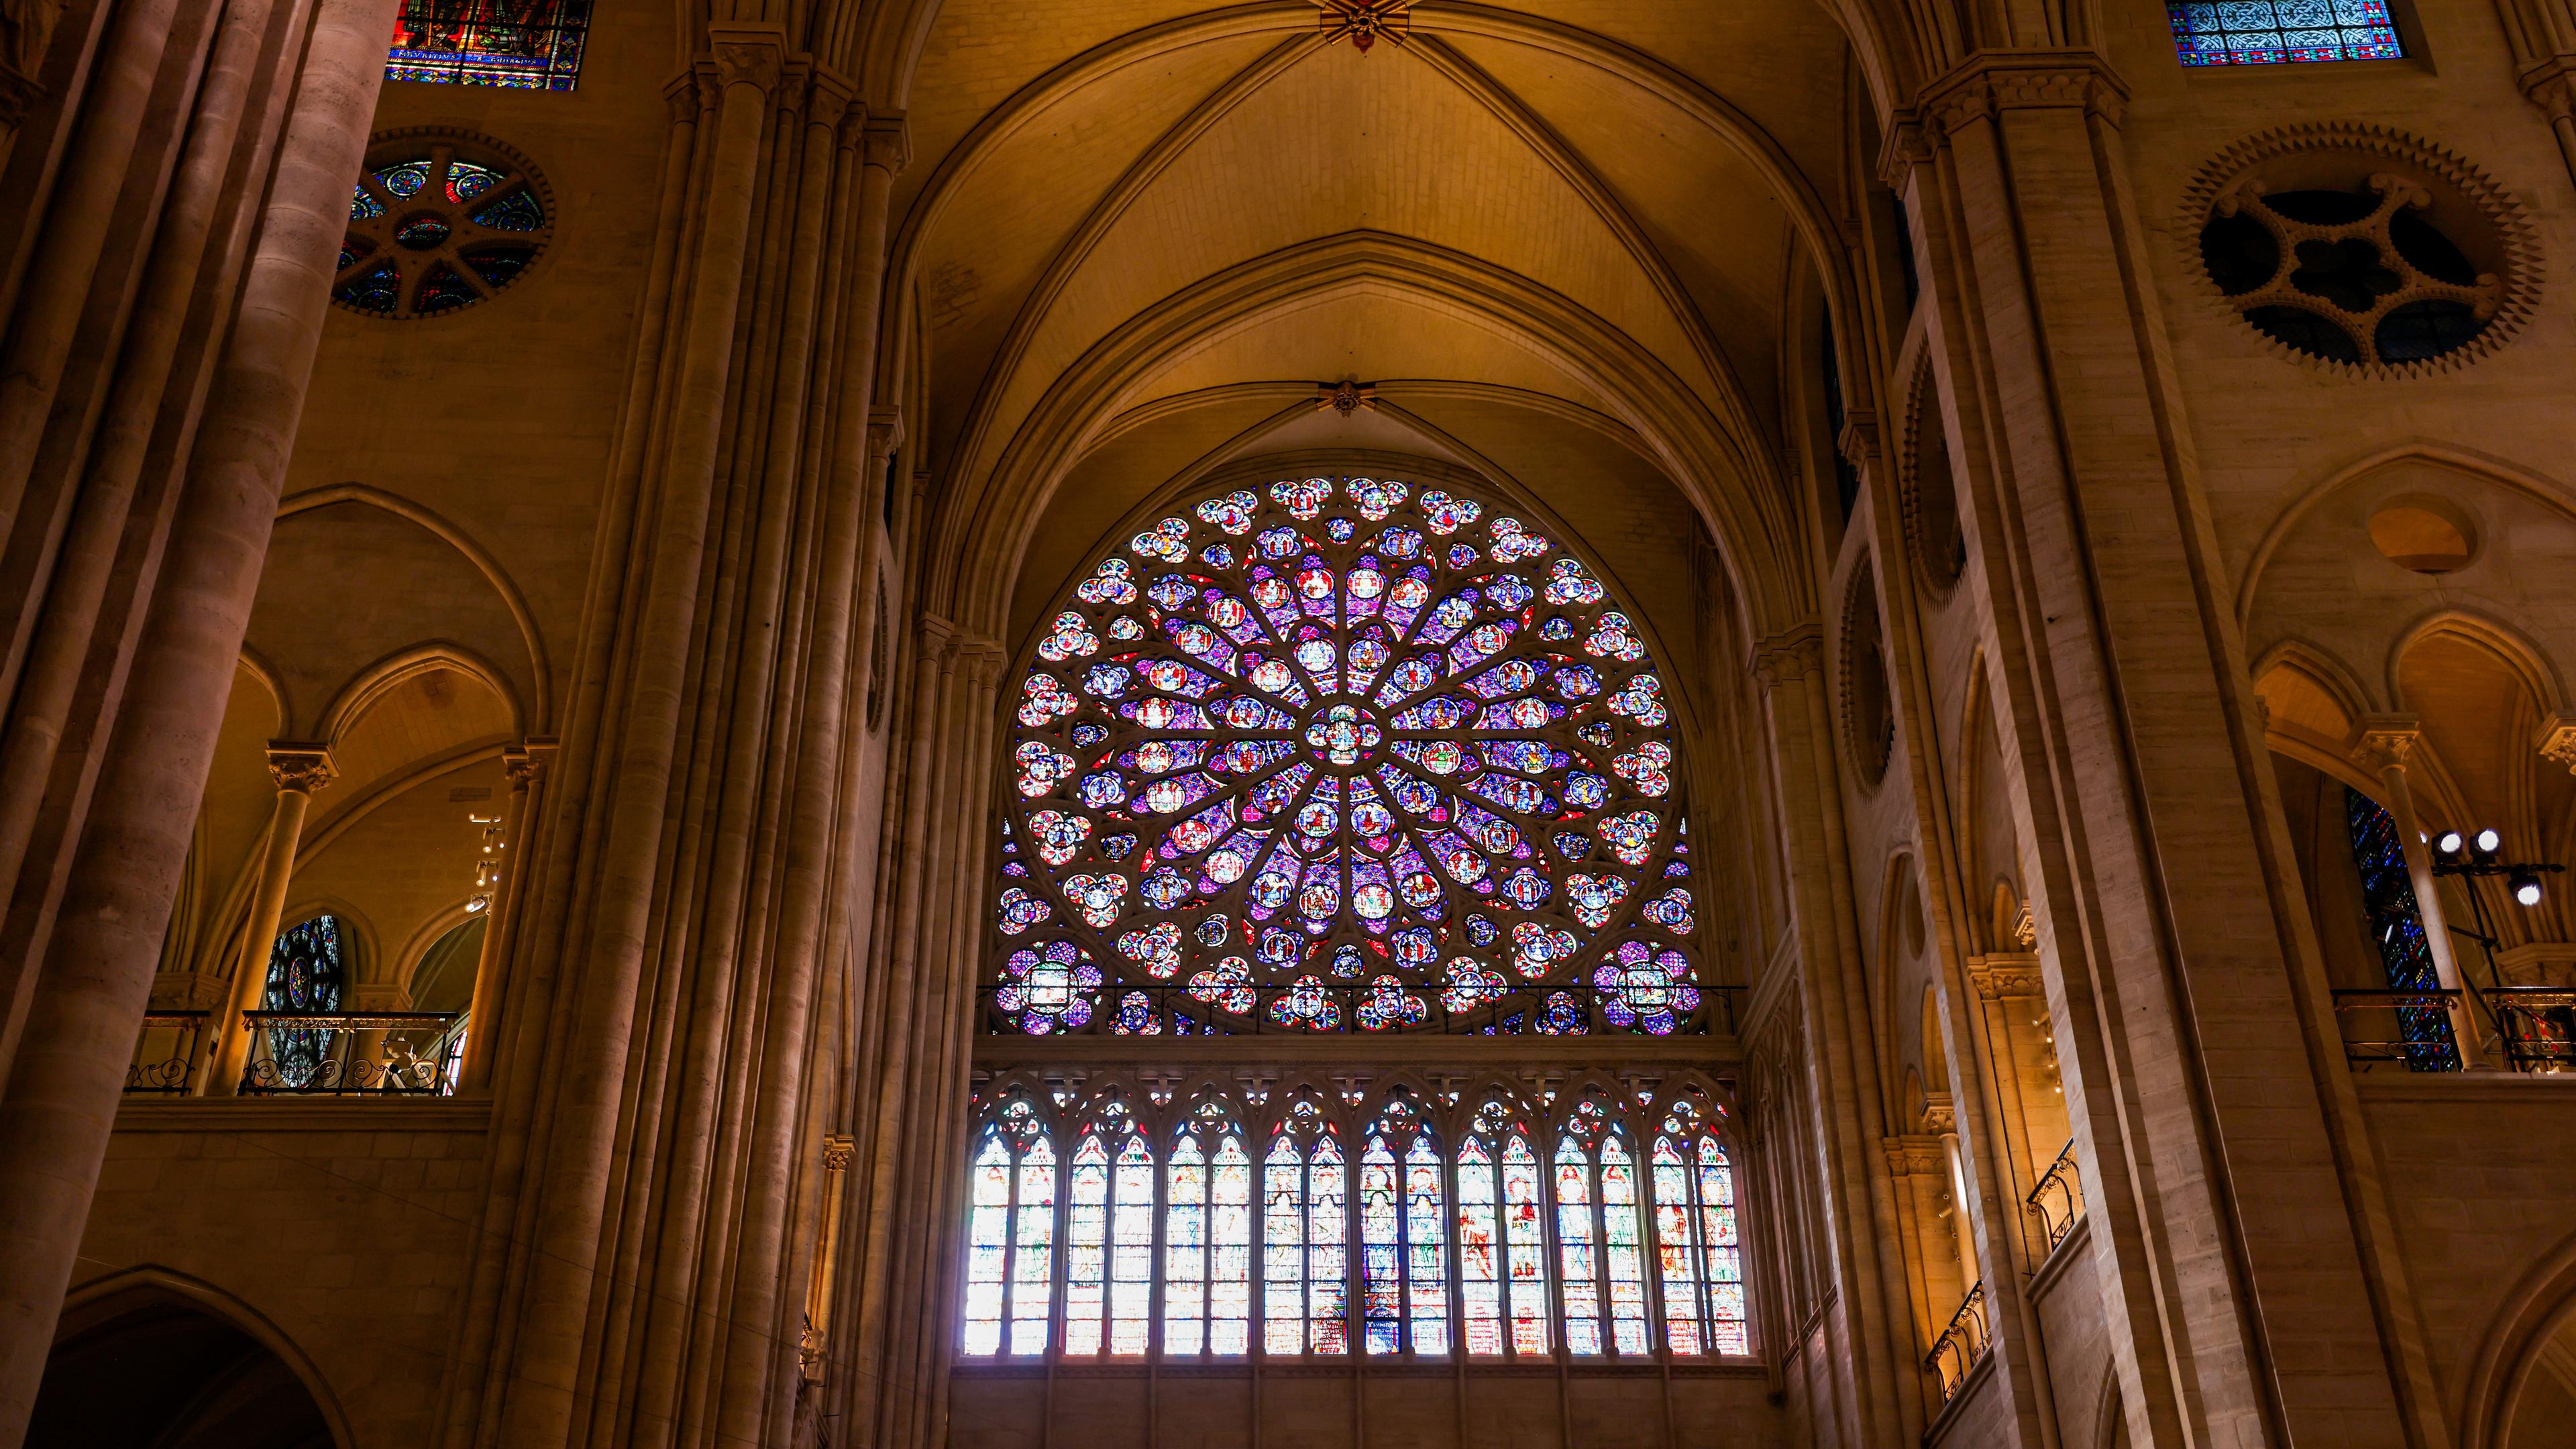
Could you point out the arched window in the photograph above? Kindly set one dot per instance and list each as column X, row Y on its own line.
column 307, row 974
column 1342, row 754
column 1207, row 1236
column 1010, row 1267
column 1695, row 1235
column 1404, row 1270
column 524, row 44
column 1109, row 1236
column 1502, row 1236
column 2397, row 928
column 1305, row 1272
column 1599, row 1247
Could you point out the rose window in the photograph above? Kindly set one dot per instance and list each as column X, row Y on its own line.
column 1342, row 754
column 437, row 223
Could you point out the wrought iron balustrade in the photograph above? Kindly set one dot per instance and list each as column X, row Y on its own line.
column 2410, row 1029
column 2534, row 1028
column 165, row 1054
column 352, row 1053
column 1961, row 1345
column 2058, row 1200
column 1243, row 1009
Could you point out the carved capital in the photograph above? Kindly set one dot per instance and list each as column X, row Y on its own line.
column 887, row 142
column 829, row 100
column 2003, row 976
column 885, row 434
column 2551, row 85
column 2556, row 740
column 300, row 767
column 1790, row 654
column 1992, row 82
column 1907, row 146
column 1858, row 440
column 748, row 55
column 1940, row 1118
column 190, row 991
column 1913, row 1155
column 526, row 763
column 838, row 1151
column 2381, row 742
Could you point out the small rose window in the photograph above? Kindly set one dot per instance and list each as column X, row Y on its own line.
column 439, row 223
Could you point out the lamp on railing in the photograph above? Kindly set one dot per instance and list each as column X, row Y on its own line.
column 2535, row 1024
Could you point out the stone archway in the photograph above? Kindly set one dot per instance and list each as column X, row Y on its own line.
column 153, row 1366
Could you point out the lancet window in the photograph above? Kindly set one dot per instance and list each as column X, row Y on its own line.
column 2397, row 929
column 1393, row 1223
column 1342, row 754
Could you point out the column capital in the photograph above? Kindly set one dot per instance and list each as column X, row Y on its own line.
column 1914, row 1154
column 1989, row 83
column 838, row 1152
column 747, row 54
column 885, row 432
column 1796, row 651
column 2551, row 85
column 830, row 99
column 527, row 761
column 2003, row 975
column 2381, row 742
column 300, row 766
column 886, row 143
column 2556, row 740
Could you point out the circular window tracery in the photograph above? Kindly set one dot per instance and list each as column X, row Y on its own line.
column 1342, row 753
column 438, row 222
column 2362, row 248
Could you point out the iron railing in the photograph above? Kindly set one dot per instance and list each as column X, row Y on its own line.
column 1960, row 1345
column 382, row 1053
column 1175, row 1009
column 2058, row 1200
column 165, row 1054
column 2534, row 1028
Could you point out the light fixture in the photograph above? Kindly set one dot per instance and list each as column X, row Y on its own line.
column 2489, row 842
column 2450, row 843
column 2526, row 887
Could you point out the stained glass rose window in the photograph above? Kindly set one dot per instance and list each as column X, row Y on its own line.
column 438, row 222
column 1344, row 753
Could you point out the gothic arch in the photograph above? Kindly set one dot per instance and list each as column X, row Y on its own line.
column 373, row 683
column 101, row 1301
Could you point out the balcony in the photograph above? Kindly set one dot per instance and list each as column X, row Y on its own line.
column 1962, row 1345
column 2530, row 1029
column 165, row 1059
column 2058, row 1201
column 353, row 1053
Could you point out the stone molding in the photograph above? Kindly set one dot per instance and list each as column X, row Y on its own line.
column 1989, row 83
column 300, row 766
column 886, row 142
column 2555, row 739
column 1793, row 653
column 752, row 55
column 2381, row 742
column 190, row 991
column 1914, row 1154
column 2004, row 975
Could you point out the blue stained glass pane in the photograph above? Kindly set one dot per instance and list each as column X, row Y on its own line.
column 2281, row 32
column 2398, row 930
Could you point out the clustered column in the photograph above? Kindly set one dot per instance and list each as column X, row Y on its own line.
column 178, row 216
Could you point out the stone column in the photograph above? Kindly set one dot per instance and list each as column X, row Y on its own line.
column 2380, row 747
column 96, row 976
column 299, row 769
column 526, row 766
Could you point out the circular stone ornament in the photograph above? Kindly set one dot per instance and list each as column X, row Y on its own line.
column 2362, row 250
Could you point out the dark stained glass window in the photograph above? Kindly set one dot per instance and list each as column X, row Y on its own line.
column 2397, row 928
column 2282, row 32
column 529, row 44
column 306, row 973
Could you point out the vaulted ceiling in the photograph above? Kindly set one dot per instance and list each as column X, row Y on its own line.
column 1563, row 241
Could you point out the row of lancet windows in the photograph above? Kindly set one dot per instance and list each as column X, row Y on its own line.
column 537, row 44
column 1608, row 1229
